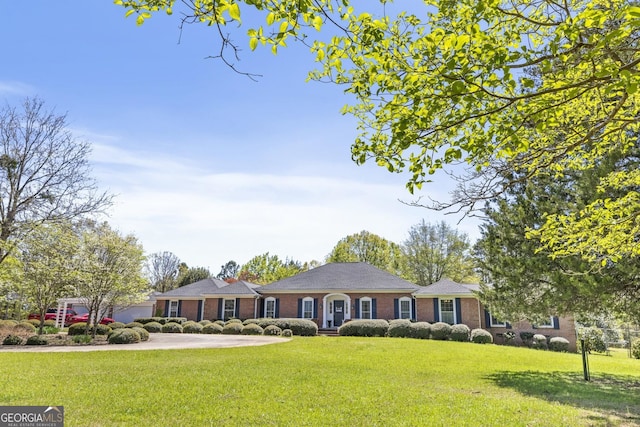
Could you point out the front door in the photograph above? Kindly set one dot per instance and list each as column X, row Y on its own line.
column 338, row 313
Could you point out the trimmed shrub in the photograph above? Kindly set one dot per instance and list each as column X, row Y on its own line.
column 272, row 330
column 233, row 328
column 205, row 322
column 133, row 324
column 12, row 340
column 364, row 328
column 300, row 327
column 153, row 327
column 77, row 329
column 24, row 327
column 233, row 320
column 145, row 320
column 8, row 322
column 219, row 322
column 212, row 328
column 635, row 348
column 144, row 335
column 124, row 336
column 539, row 342
column 559, row 344
column 420, row 330
column 440, row 331
column 172, row 328
column 287, row 333
column 119, row 325
column 102, row 329
column 37, row 340
column 480, row 336
column 50, row 330
column 252, row 329
column 267, row 321
column 460, row 333
column 527, row 338
column 192, row 328
column 34, row 322
column 81, row 339
column 593, row 339
column 50, row 322
column 250, row 321
column 399, row 328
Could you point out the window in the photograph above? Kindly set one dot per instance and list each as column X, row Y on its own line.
column 496, row 323
column 547, row 324
column 229, row 308
column 270, row 307
column 405, row 308
column 307, row 308
column 447, row 311
column 365, row 308
column 173, row 308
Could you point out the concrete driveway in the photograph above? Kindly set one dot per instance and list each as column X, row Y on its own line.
column 161, row 341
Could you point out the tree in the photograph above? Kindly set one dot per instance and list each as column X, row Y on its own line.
column 191, row 275
column 110, row 270
column 162, row 270
column 44, row 173
column 229, row 271
column 436, row 251
column 370, row 248
column 525, row 282
column 265, row 268
column 49, row 259
column 546, row 85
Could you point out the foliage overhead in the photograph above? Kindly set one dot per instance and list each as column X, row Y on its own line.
column 189, row 275
column 549, row 86
column 162, row 269
column 265, row 268
column 229, row 270
column 370, row 248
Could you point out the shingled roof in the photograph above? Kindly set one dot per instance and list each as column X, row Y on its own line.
column 347, row 276
column 236, row 288
column 447, row 287
column 196, row 289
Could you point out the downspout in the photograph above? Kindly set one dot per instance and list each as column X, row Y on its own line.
column 255, row 306
column 479, row 315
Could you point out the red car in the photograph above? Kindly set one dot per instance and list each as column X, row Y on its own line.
column 85, row 318
column 52, row 313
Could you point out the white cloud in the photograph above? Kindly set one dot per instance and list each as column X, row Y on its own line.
column 16, row 88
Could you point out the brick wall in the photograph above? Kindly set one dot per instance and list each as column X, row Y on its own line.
column 468, row 315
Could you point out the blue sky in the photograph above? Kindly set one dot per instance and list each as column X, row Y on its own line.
column 205, row 163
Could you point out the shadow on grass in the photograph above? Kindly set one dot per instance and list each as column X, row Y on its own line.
column 609, row 395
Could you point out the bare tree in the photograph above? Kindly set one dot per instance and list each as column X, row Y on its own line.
column 44, row 173
column 162, row 269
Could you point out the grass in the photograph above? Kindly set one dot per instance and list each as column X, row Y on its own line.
column 327, row 381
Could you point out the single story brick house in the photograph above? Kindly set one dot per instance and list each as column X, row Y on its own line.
column 337, row 292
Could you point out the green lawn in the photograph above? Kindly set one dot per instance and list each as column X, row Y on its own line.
column 326, row 381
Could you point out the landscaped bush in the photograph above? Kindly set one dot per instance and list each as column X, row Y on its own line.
column 172, row 328
column 234, row 320
column 399, row 328
column 50, row 330
column 49, row 322
column 250, row 321
column 527, row 338
column 205, row 322
column 539, row 342
column 299, row 327
column 421, row 330
column 34, row 322
column 102, row 329
column 133, row 324
column 287, row 333
column 144, row 335
column 12, row 340
column 24, row 327
column 440, row 331
column 480, row 336
column 364, row 328
column 212, row 328
column 37, row 340
column 272, row 330
column 267, row 321
column 81, row 339
column 120, row 325
column 593, row 339
column 559, row 344
column 145, row 320
column 252, row 329
column 77, row 329
column 153, row 327
column 219, row 322
column 460, row 333
column 8, row 322
column 161, row 320
column 635, row 348
column 233, row 328
column 192, row 328
column 124, row 336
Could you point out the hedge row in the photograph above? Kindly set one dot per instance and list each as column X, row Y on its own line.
column 403, row 328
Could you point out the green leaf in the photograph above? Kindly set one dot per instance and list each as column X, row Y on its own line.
column 234, row 11
column 253, row 43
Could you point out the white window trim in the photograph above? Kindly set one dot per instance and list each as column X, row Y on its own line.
column 304, row 301
column 496, row 324
column 370, row 301
column 400, row 301
column 171, row 306
column 549, row 326
column 224, row 308
column 266, row 305
column 453, row 303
